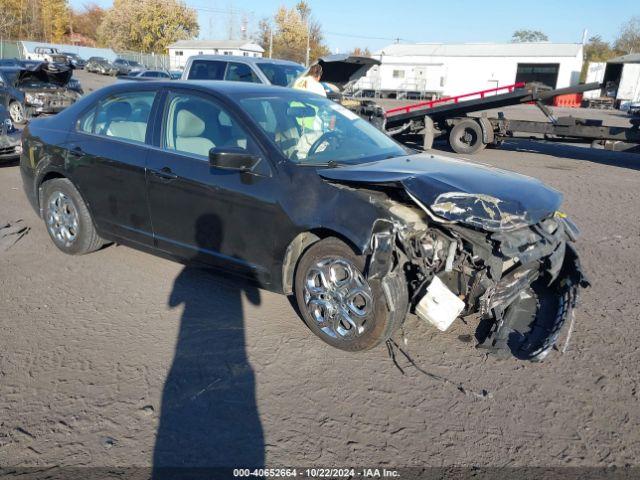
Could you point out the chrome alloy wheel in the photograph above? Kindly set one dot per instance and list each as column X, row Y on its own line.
column 338, row 297
column 16, row 112
column 62, row 219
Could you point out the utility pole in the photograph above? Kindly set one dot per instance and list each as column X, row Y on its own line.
column 306, row 64
column 270, row 42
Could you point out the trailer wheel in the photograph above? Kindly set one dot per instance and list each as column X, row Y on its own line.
column 466, row 137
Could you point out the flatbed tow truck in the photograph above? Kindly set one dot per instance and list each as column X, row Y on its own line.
column 449, row 117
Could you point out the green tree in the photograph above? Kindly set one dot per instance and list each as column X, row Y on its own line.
column 595, row 50
column 55, row 17
column 628, row 40
column 520, row 36
column 147, row 25
column 287, row 33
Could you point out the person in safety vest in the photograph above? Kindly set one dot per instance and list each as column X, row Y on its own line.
column 311, row 81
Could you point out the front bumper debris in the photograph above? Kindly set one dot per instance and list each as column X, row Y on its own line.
column 10, row 146
column 522, row 286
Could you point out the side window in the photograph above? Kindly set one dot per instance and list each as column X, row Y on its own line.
column 241, row 72
column 207, row 70
column 123, row 116
column 195, row 125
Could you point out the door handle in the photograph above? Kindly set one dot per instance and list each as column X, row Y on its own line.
column 76, row 151
column 165, row 172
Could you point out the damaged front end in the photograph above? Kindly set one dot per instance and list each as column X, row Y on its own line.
column 47, row 89
column 507, row 264
column 520, row 285
column 10, row 145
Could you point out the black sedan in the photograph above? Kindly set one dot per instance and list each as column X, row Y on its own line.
column 301, row 196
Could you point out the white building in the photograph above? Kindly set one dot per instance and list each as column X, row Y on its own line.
column 435, row 70
column 183, row 49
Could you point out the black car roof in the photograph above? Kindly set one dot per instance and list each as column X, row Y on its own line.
column 216, row 86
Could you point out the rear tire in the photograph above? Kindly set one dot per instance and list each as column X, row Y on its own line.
column 466, row 137
column 339, row 304
column 67, row 218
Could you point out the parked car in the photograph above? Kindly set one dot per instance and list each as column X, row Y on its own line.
column 75, row 60
column 241, row 69
column 11, row 98
column 634, row 109
column 10, row 145
column 149, row 75
column 303, row 197
column 101, row 65
column 127, row 67
column 175, row 74
column 47, row 54
column 45, row 91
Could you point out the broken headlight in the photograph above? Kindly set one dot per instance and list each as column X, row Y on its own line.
column 479, row 210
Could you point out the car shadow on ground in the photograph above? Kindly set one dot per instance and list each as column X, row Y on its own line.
column 623, row 159
column 626, row 159
column 208, row 415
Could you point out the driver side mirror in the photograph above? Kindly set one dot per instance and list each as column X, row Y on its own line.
column 233, row 158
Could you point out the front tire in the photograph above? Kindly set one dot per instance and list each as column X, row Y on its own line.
column 339, row 304
column 67, row 218
column 17, row 113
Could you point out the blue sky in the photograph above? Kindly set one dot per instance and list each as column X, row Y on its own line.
column 367, row 23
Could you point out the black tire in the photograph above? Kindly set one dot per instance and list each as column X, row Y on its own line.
column 85, row 238
column 466, row 137
column 382, row 320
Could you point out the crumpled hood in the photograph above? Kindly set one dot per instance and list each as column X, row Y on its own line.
column 60, row 77
column 481, row 196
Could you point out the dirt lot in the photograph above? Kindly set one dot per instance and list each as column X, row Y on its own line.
column 92, row 348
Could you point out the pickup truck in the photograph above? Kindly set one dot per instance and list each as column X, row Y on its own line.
column 48, row 54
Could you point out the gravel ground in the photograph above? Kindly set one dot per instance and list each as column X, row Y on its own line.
column 95, row 349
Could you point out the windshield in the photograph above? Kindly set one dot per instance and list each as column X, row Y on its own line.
column 313, row 130
column 281, row 75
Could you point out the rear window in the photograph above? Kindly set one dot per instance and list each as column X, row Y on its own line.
column 207, row 70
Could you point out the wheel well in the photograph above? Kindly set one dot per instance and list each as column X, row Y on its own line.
column 48, row 176
column 298, row 246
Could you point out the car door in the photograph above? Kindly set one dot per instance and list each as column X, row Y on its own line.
column 222, row 217
column 107, row 155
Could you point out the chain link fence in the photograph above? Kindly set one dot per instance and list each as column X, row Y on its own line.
column 10, row 49
column 150, row 61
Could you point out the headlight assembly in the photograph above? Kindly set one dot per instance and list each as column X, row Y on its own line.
column 479, row 210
